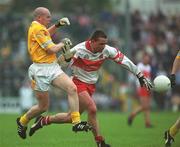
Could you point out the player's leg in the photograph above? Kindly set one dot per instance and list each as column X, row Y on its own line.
column 175, row 128
column 171, row 133
column 145, row 101
column 65, row 83
column 133, row 114
column 42, row 106
column 58, row 118
column 140, row 93
column 86, row 102
column 42, row 121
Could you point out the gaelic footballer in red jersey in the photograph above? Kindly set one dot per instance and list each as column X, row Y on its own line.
column 143, row 94
column 87, row 60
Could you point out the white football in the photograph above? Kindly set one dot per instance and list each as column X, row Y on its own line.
column 162, row 83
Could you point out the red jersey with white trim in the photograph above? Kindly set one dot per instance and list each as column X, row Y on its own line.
column 85, row 63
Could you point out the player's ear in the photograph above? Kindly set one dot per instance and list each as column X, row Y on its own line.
column 93, row 40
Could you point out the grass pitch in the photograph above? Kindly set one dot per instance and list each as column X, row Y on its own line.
column 113, row 126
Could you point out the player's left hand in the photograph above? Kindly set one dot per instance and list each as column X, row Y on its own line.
column 144, row 81
column 68, row 55
column 67, row 44
column 62, row 22
column 172, row 78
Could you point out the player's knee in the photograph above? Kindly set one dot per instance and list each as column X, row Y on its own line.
column 43, row 107
column 92, row 110
column 146, row 108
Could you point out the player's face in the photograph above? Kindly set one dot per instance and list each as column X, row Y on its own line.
column 99, row 44
column 146, row 59
column 46, row 18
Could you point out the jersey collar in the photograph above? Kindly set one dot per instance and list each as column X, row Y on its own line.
column 88, row 46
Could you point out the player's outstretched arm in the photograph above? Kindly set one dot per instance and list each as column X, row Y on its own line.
column 130, row 66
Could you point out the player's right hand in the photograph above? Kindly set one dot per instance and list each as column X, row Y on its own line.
column 62, row 22
column 172, row 78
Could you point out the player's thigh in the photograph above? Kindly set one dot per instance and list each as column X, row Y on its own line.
column 64, row 82
column 145, row 101
column 86, row 101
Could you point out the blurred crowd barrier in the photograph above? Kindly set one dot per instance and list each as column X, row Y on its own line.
column 157, row 34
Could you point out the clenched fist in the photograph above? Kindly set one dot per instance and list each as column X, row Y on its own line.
column 62, row 22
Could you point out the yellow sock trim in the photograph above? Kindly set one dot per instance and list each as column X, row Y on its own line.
column 173, row 130
column 75, row 116
column 24, row 120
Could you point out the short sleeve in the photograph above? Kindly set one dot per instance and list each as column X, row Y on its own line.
column 44, row 39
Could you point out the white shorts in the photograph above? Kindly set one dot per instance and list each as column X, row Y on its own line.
column 41, row 75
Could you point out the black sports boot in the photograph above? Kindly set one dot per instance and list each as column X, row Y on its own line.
column 36, row 126
column 101, row 142
column 21, row 129
column 82, row 126
column 168, row 139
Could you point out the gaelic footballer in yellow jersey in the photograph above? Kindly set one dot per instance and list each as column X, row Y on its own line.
column 170, row 134
column 39, row 41
column 44, row 72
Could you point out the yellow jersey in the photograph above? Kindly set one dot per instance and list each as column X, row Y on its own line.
column 39, row 41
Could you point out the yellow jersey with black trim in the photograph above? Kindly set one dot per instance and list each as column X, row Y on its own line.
column 178, row 55
column 39, row 41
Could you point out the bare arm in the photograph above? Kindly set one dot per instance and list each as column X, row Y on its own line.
column 64, row 45
column 52, row 29
column 55, row 48
column 176, row 65
column 129, row 65
column 175, row 68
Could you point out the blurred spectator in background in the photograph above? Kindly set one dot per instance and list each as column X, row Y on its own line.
column 144, row 96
